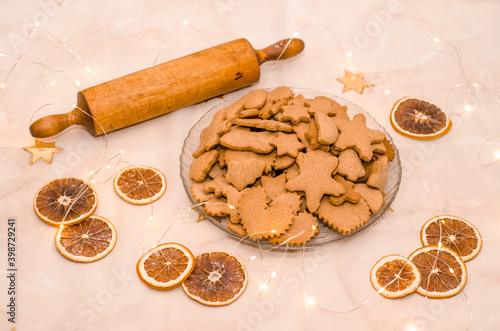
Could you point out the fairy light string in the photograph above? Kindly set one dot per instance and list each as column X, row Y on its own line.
column 195, row 207
column 310, row 297
column 462, row 292
column 150, row 192
column 489, row 155
column 347, row 53
column 52, row 71
column 265, row 284
column 93, row 174
column 21, row 58
column 117, row 159
column 89, row 183
column 70, row 51
column 311, row 300
column 18, row 60
column 261, row 251
column 459, row 58
column 179, row 24
column 468, row 104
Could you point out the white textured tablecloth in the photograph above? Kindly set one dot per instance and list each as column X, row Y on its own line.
column 390, row 41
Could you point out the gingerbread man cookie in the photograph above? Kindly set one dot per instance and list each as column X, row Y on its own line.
column 355, row 134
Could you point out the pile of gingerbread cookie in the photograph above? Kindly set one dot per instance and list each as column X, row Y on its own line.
column 274, row 163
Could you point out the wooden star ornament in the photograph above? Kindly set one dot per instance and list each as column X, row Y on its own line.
column 42, row 151
column 354, row 82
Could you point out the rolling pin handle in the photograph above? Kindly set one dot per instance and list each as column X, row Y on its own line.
column 53, row 124
column 280, row 50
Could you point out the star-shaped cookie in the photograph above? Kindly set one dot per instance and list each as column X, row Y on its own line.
column 315, row 179
column 354, row 82
column 42, row 151
column 287, row 144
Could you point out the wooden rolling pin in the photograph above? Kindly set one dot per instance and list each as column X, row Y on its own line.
column 166, row 87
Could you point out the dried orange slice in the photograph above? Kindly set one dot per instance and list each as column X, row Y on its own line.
column 218, row 279
column 418, row 118
column 165, row 266
column 65, row 201
column 443, row 271
column 87, row 241
column 395, row 276
column 452, row 232
column 140, row 185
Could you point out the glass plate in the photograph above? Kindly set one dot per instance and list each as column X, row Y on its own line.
column 326, row 234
